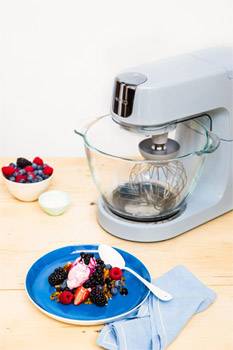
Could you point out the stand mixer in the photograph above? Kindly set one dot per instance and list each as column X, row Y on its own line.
column 162, row 160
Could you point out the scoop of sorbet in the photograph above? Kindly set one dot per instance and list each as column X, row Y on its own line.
column 78, row 274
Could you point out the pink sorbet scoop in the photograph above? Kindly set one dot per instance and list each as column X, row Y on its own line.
column 78, row 274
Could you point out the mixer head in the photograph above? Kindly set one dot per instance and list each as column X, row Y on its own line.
column 125, row 103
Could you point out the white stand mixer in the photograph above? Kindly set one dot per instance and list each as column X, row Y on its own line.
column 164, row 93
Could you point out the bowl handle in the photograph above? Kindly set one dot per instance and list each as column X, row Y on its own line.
column 79, row 133
column 212, row 143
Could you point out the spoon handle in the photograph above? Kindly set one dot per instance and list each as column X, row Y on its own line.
column 159, row 293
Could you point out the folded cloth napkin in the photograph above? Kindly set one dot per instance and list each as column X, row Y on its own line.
column 156, row 323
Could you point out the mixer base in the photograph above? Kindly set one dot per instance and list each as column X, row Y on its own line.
column 138, row 231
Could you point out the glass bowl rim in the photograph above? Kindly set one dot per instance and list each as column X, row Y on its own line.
column 199, row 152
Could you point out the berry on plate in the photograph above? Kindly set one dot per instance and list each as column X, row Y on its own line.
column 114, row 291
column 66, row 297
column 87, row 280
column 57, row 276
column 98, row 297
column 124, row 291
column 81, row 294
column 115, row 273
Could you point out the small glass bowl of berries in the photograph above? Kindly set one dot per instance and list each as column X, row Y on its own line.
column 26, row 179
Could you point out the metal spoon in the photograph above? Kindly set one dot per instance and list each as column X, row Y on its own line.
column 110, row 256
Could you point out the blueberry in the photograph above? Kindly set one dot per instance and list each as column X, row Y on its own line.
column 34, row 180
column 34, row 165
column 39, row 167
column 108, row 266
column 22, row 172
column 39, row 178
column 12, row 178
column 30, row 177
column 45, row 176
column 124, row 291
column 118, row 284
column 15, row 173
column 63, row 286
column 114, row 291
column 40, row 172
column 13, row 165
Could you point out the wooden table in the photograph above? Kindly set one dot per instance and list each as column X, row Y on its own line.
column 27, row 233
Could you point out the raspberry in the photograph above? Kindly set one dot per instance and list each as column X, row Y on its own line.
column 8, row 170
column 115, row 273
column 29, row 168
column 38, row 161
column 66, row 297
column 48, row 170
column 21, row 178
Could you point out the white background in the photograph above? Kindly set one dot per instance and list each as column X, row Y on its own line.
column 58, row 60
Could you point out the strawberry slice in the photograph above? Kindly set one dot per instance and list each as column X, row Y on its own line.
column 81, row 294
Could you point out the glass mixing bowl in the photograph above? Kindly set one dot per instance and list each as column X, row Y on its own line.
column 139, row 189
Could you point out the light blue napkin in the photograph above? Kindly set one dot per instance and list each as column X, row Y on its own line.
column 156, row 323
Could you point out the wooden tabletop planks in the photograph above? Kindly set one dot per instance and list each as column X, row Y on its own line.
column 26, row 233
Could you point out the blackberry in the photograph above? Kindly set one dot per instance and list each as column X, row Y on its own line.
column 22, row 162
column 57, row 276
column 97, row 278
column 98, row 297
column 98, row 273
column 98, row 287
column 100, row 281
column 124, row 291
column 86, row 259
column 99, row 262
column 99, row 270
column 87, row 284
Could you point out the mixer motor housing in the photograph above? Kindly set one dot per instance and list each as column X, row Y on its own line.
column 162, row 93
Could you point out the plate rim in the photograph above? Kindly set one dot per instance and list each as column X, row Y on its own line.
column 76, row 321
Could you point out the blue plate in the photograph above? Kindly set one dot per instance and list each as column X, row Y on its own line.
column 39, row 290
